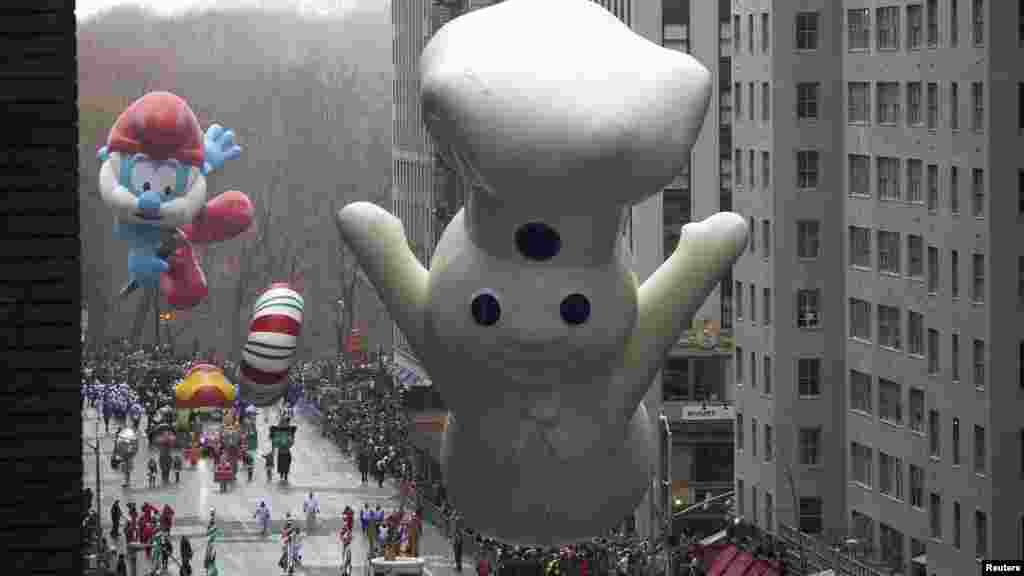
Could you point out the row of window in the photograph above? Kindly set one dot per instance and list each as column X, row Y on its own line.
column 887, row 256
column 810, row 509
column 808, row 306
column 889, row 335
column 922, row 28
column 891, row 540
column 808, row 370
column 809, row 441
column 913, row 181
column 921, row 101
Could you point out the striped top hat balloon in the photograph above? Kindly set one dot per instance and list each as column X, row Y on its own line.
column 271, row 346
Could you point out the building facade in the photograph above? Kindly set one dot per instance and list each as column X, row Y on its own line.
column 879, row 349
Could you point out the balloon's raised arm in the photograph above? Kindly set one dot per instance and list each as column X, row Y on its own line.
column 378, row 241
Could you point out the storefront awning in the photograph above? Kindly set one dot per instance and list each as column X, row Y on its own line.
column 733, row 561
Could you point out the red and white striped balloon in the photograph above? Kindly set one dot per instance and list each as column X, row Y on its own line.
column 271, row 346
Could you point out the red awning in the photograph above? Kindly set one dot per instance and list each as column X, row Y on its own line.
column 732, row 561
column 739, row 565
column 720, row 563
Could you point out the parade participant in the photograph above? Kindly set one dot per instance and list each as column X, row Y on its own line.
column 263, row 516
column 186, row 556
column 311, row 507
column 346, row 549
column 268, row 462
column 212, row 533
column 250, row 464
column 148, row 531
column 348, row 517
column 457, row 549
column 364, row 519
column 115, row 519
column 151, row 472
column 177, row 468
column 167, row 518
column 372, row 528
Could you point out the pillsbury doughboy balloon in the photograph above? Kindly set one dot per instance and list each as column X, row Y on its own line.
column 529, row 320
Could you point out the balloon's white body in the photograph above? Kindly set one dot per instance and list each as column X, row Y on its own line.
column 547, row 440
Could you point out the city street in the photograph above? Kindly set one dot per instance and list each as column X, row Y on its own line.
column 317, row 466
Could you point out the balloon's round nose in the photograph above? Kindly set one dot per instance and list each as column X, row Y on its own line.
column 149, row 202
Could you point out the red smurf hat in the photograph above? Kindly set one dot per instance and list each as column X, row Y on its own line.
column 160, row 125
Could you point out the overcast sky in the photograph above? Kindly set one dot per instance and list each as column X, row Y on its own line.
column 87, row 8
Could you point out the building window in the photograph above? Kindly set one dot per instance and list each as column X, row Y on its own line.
column 955, row 357
column 954, row 190
column 738, row 294
column 738, row 368
column 933, row 106
column 807, row 169
column 916, row 405
column 767, row 373
column 753, row 312
column 860, row 319
column 1020, row 364
column 978, row 274
column 956, row 441
column 933, row 270
column 980, row 458
column 860, row 175
column 977, row 107
column 934, row 433
column 1020, row 192
column 956, row 525
column 750, row 33
column 890, row 401
column 1020, row 443
column 1020, row 44
column 1020, row 107
column 753, row 437
column 887, row 19
column 933, row 351
column 915, row 256
column 858, row 27
column 979, row 363
column 888, row 178
column 933, row 23
column 915, row 21
column 766, row 238
column 980, row 534
column 860, row 247
column 863, row 528
column 978, row 22
column 769, row 510
column 810, row 446
column 736, row 44
column 766, row 170
column 738, row 167
column 808, row 308
column 751, row 171
column 765, row 103
column 750, row 101
column 753, row 503
column 914, row 177
column 807, row 100
column 888, row 99
column 806, row 30
column 769, row 450
column 933, row 187
column 739, row 496
column 888, row 251
column 767, row 312
column 954, row 265
column 860, row 392
column 954, row 106
column 808, row 238
column 890, row 475
column 765, row 33
column 810, row 515
column 861, row 457
column 916, row 486
column 739, row 431
column 914, row 104
column 935, row 516
column 978, row 192
column 858, row 105
column 809, row 375
column 889, row 327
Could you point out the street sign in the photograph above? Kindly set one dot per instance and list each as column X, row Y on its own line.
column 697, row 413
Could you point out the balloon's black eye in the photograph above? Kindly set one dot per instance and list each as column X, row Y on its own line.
column 145, row 186
column 486, row 309
column 168, row 191
column 575, row 309
column 538, row 241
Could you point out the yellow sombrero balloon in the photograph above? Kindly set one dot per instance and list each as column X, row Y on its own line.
column 203, row 386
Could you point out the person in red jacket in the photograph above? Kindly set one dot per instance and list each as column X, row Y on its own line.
column 483, row 567
column 167, row 518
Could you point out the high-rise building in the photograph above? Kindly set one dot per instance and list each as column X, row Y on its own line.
column 872, row 153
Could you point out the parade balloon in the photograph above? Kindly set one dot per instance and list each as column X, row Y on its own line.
column 204, row 386
column 184, row 286
column 223, row 218
column 271, row 345
column 530, row 319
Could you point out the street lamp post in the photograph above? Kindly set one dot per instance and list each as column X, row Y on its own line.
column 666, row 480
column 341, row 327
column 102, row 560
column 796, row 517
